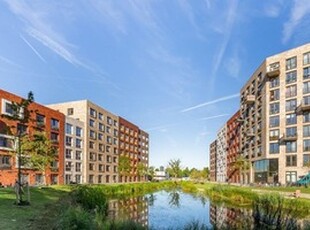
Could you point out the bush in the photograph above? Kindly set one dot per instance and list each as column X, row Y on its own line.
column 75, row 218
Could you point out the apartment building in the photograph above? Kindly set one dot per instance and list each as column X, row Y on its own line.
column 275, row 113
column 221, row 155
column 144, row 143
column 100, row 142
column 42, row 119
column 74, row 154
column 212, row 150
column 233, row 147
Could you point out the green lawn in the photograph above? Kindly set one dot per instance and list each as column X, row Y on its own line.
column 22, row 217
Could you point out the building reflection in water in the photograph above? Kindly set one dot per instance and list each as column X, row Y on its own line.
column 135, row 209
column 230, row 218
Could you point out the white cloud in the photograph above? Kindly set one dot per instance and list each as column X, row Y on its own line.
column 8, row 61
column 213, row 117
column 211, row 102
column 300, row 11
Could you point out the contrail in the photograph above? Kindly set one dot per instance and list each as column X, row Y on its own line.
column 211, row 102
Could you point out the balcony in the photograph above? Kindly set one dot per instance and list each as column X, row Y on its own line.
column 273, row 70
column 250, row 134
column 303, row 107
column 287, row 138
column 7, row 142
column 250, row 99
column 274, row 138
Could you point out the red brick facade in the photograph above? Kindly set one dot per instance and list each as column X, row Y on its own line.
column 132, row 144
column 41, row 119
column 233, row 145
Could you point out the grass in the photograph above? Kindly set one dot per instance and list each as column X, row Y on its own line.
column 22, row 217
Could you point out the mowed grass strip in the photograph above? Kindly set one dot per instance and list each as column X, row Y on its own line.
column 22, row 217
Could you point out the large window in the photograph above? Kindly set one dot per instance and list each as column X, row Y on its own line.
column 78, row 131
column 40, row 120
column 274, row 134
column 78, row 167
column 68, row 153
column 291, row 147
column 91, row 123
column 290, row 105
column 291, row 119
column 307, row 145
column 306, row 73
column 306, row 100
column 291, row 63
column 306, row 160
column 291, row 177
column 306, row 59
column 291, row 91
column 92, row 112
column 78, row 155
column 274, row 121
column 306, row 87
column 306, row 131
column 274, row 95
column 54, row 124
column 68, row 141
column 68, row 166
column 69, row 129
column 291, row 160
column 274, row 82
column 291, row 132
column 306, row 117
column 274, row 148
column 78, row 143
column 274, row 108
column 291, row 77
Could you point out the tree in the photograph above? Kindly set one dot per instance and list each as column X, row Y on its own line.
column 241, row 164
column 150, row 173
column 38, row 152
column 124, row 165
column 186, row 172
column 141, row 170
column 174, row 167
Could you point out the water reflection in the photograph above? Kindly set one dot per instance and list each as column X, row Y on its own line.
column 175, row 209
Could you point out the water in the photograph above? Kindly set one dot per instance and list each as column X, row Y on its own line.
column 176, row 210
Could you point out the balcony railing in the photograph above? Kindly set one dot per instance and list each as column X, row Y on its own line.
column 250, row 99
column 273, row 138
column 287, row 138
column 303, row 107
column 273, row 70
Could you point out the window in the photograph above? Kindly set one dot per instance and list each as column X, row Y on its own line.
column 291, row 177
column 92, row 156
column 306, row 131
column 68, row 166
column 78, row 167
column 40, row 120
column 22, row 129
column 68, row 129
column 101, row 168
column 115, row 133
column 39, row 179
column 291, row 77
column 8, row 109
column 109, row 120
column 291, row 119
column 307, row 145
column 306, row 117
column 291, row 160
column 68, row 141
column 101, row 147
column 306, row 87
column 306, row 59
column 92, row 134
column 91, row 166
column 274, row 148
column 108, row 129
column 107, row 168
column 274, row 121
column 291, row 63
column 78, row 179
column 54, row 124
column 91, row 179
column 100, row 136
column 291, row 105
column 54, row 137
column 101, row 127
column 78, row 155
column 291, row 147
column 108, row 149
column 115, row 142
column 274, row 108
column 99, row 179
column 70, row 111
column 306, row 100
column 4, row 161
column 115, row 123
column 100, row 116
column 100, row 157
column 67, row 179
column 78, row 143
column 274, row 134
column 274, row 82
column 78, row 131
column 306, row 74
column 306, row 160
column 54, row 179
column 109, row 140
column 91, row 123
column 91, row 145
column 68, row 153
column 291, row 91
column 92, row 112
column 291, row 132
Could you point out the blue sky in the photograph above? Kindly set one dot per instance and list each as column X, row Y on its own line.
column 173, row 67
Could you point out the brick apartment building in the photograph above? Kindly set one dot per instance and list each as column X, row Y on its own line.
column 42, row 119
column 233, row 146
